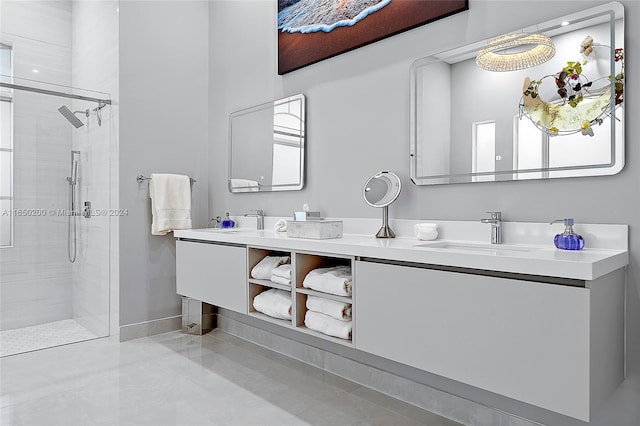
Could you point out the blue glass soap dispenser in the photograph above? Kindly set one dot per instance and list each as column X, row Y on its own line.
column 568, row 240
column 227, row 222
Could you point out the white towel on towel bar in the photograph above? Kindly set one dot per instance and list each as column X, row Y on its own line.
column 275, row 303
column 335, row 280
column 333, row 308
column 327, row 325
column 170, row 203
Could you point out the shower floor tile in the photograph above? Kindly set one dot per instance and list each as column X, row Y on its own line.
column 42, row 336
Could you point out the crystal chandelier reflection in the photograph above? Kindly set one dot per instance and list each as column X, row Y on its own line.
column 516, row 51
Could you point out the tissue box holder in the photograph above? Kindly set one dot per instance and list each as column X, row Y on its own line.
column 314, row 229
column 297, row 216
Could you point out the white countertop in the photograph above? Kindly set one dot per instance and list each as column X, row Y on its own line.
column 543, row 260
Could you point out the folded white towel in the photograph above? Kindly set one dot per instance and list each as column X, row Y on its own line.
column 282, row 274
column 334, row 280
column 283, row 271
column 264, row 268
column 275, row 303
column 280, row 226
column 280, row 280
column 170, row 203
column 327, row 325
column 333, row 308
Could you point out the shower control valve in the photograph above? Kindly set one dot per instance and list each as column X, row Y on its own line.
column 86, row 212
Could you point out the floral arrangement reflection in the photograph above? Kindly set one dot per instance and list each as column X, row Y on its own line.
column 581, row 102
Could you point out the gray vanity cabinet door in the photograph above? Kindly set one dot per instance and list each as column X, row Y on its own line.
column 526, row 340
column 212, row 273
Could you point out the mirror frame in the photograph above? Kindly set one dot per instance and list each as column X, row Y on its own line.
column 614, row 11
column 249, row 188
column 393, row 179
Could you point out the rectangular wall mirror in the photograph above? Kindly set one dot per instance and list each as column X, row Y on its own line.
column 266, row 146
column 471, row 124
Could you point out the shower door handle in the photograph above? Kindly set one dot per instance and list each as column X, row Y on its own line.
column 86, row 212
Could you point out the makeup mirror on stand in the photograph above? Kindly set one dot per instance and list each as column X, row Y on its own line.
column 381, row 190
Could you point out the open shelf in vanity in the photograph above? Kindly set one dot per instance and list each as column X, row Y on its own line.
column 302, row 263
column 258, row 285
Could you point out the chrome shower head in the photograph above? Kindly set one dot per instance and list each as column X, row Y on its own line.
column 66, row 112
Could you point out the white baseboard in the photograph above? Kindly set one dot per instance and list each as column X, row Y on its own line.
column 150, row 328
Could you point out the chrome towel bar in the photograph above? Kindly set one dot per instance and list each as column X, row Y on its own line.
column 142, row 178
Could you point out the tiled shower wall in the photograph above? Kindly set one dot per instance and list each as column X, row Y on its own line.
column 35, row 272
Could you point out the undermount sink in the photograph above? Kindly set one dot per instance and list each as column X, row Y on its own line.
column 486, row 248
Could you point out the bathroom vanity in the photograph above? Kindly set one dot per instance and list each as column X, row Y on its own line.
column 532, row 323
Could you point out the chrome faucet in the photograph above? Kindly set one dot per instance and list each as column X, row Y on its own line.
column 259, row 214
column 496, row 226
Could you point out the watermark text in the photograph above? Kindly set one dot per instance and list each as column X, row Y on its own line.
column 63, row 212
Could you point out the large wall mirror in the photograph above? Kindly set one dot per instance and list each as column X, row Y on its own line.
column 477, row 122
column 266, row 146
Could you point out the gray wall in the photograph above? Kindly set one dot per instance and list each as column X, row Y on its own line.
column 164, row 95
column 357, row 124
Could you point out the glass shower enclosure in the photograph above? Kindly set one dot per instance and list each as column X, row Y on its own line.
column 55, row 212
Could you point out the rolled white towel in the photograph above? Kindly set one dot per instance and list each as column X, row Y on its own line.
column 335, row 280
column 264, row 268
column 275, row 303
column 327, row 325
column 333, row 308
column 280, row 226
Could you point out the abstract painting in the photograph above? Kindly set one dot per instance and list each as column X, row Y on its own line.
column 313, row 30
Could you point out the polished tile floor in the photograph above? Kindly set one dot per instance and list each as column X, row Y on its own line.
column 177, row 379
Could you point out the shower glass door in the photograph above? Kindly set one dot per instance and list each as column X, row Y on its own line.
column 54, row 252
